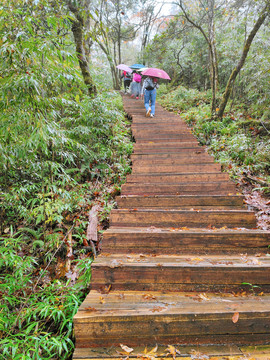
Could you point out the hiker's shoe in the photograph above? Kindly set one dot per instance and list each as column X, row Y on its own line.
column 148, row 112
column 137, row 97
column 152, row 115
column 132, row 95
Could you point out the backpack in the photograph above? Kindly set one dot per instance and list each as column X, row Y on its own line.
column 128, row 76
column 149, row 84
column 137, row 78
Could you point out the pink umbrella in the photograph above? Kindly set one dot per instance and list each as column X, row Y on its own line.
column 156, row 73
column 124, row 68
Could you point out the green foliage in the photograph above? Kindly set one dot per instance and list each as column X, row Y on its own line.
column 36, row 320
column 60, row 153
column 240, row 143
column 181, row 50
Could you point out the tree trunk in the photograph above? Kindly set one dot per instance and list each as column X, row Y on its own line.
column 210, row 40
column 242, row 60
column 78, row 33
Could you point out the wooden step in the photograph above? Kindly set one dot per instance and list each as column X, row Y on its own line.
column 198, row 159
column 165, row 148
column 183, row 218
column 174, row 178
column 159, row 132
column 178, row 168
column 171, row 155
column 177, row 352
column 133, row 318
column 180, row 272
column 168, row 126
column 158, row 241
column 174, row 143
column 215, row 188
column 197, row 202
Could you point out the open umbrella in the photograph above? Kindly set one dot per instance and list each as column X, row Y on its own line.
column 142, row 69
column 156, row 73
column 124, row 68
column 137, row 66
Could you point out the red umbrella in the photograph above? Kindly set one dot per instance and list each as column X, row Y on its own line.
column 124, row 68
column 156, row 73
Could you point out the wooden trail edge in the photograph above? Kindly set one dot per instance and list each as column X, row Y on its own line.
column 182, row 261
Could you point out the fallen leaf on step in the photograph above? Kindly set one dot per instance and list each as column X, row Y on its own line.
column 171, row 350
column 197, row 259
column 203, row 297
column 235, row 317
column 151, row 352
column 127, row 349
column 148, row 297
column 90, row 309
column 105, row 289
column 158, row 308
column 101, row 300
column 151, row 355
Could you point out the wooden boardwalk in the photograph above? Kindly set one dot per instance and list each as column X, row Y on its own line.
column 179, row 248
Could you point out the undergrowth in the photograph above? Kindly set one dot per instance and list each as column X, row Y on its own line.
column 45, row 265
column 240, row 141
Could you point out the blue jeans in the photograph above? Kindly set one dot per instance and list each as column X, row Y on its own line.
column 150, row 96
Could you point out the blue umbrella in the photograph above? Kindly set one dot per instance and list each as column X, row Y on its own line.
column 137, row 66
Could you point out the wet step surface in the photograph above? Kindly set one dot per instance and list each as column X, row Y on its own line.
column 182, row 261
column 136, row 317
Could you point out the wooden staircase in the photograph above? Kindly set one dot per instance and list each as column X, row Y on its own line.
column 179, row 248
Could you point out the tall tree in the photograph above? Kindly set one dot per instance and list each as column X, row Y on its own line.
column 149, row 14
column 78, row 29
column 201, row 15
column 109, row 31
column 263, row 15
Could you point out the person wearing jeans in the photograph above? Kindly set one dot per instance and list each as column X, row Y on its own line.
column 150, row 93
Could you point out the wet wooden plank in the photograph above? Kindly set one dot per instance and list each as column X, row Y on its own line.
column 215, row 188
column 160, row 318
column 178, row 168
column 161, row 241
column 180, row 201
column 178, row 273
column 176, row 161
column 162, row 351
column 181, row 218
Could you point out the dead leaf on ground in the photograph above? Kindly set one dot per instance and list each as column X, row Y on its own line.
column 235, row 317
column 148, row 297
column 127, row 349
column 105, row 289
column 101, row 300
column 203, row 297
column 90, row 309
column 171, row 350
column 158, row 308
column 198, row 355
column 197, row 259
